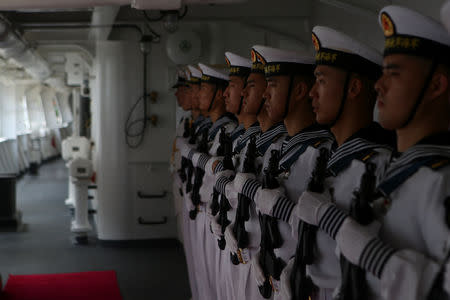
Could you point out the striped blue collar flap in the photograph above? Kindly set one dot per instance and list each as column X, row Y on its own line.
column 268, row 137
column 205, row 123
column 237, row 132
column 294, row 147
column 356, row 148
column 433, row 156
column 214, row 129
column 391, row 183
column 198, row 120
column 244, row 138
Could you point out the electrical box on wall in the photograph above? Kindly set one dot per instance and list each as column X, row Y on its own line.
column 75, row 68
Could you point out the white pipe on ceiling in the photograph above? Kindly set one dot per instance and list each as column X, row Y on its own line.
column 138, row 4
column 14, row 48
column 102, row 15
column 57, row 4
column 156, row 4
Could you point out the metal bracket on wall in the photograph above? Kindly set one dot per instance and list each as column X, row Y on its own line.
column 151, row 196
column 141, row 221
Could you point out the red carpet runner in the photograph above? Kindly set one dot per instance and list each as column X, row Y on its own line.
column 80, row 286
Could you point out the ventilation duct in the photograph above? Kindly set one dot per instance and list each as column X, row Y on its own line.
column 138, row 4
column 12, row 47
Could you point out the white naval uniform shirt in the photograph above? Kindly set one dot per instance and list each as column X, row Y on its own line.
column 179, row 130
column 295, row 179
column 415, row 220
column 270, row 140
column 347, row 165
column 206, row 189
column 238, row 161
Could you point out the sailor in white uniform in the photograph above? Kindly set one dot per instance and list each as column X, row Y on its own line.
column 289, row 75
column 193, row 82
column 344, row 98
column 285, row 72
column 183, row 99
column 213, row 84
column 244, row 284
column 289, row 99
column 239, row 69
column 252, row 107
column 406, row 258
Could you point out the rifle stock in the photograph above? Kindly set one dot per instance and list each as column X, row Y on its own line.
column 270, row 234
column 198, row 177
column 354, row 284
column 242, row 212
column 226, row 149
column 301, row 284
column 187, row 128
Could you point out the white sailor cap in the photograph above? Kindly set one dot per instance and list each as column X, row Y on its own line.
column 283, row 62
column 195, row 75
column 181, row 78
column 213, row 75
column 334, row 48
column 445, row 15
column 408, row 32
column 257, row 65
column 238, row 65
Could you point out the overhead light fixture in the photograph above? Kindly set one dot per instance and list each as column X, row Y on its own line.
column 169, row 18
column 146, row 44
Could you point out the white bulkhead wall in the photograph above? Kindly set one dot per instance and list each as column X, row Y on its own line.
column 122, row 172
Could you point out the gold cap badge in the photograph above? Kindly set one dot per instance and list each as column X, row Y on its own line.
column 388, row 25
column 315, row 42
column 228, row 61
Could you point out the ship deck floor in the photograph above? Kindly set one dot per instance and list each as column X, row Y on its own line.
column 45, row 246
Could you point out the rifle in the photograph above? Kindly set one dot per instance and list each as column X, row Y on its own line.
column 192, row 135
column 188, row 132
column 354, row 284
column 187, row 128
column 243, row 209
column 182, row 170
column 198, row 177
column 224, row 207
column 301, row 284
column 215, row 206
column 200, row 146
column 437, row 290
column 270, row 234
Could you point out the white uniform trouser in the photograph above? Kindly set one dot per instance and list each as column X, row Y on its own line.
column 200, row 249
column 287, row 249
column 210, row 256
column 246, row 274
column 247, row 286
column 228, row 271
column 187, row 244
column 324, row 294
